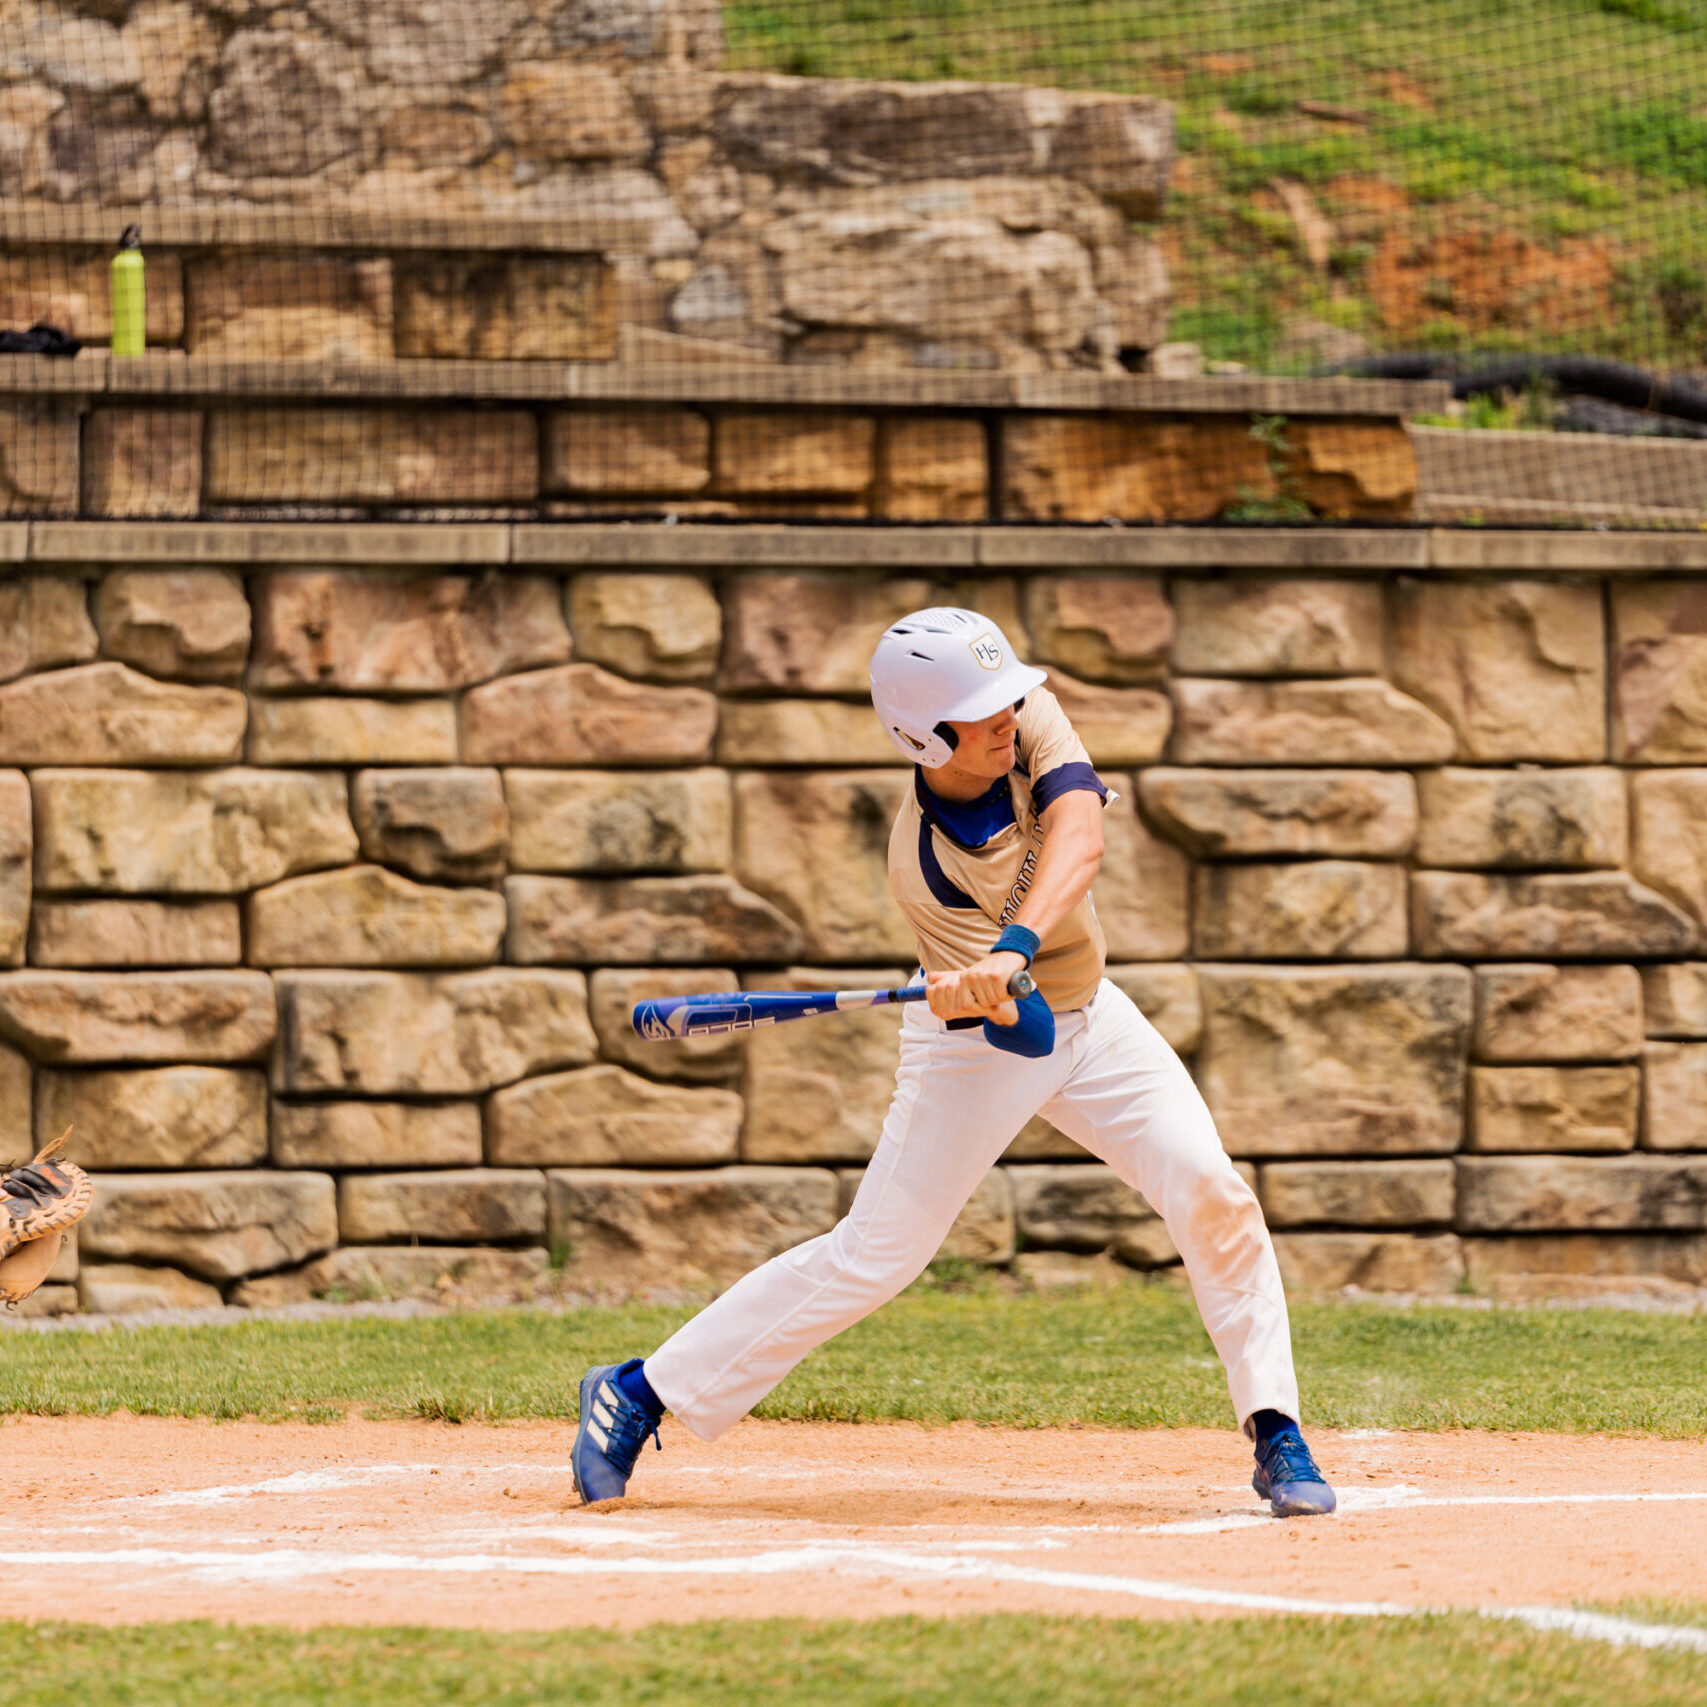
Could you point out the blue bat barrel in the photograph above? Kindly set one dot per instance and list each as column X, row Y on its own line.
column 672, row 1017
column 669, row 1018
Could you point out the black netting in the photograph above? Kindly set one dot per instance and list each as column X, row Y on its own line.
column 874, row 260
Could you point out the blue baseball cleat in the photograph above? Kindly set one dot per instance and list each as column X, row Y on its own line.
column 1286, row 1476
column 612, row 1430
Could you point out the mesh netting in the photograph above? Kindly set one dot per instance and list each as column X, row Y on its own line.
column 863, row 260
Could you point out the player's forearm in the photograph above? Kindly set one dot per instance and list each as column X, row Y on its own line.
column 1067, row 863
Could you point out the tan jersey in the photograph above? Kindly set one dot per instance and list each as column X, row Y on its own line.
column 958, row 898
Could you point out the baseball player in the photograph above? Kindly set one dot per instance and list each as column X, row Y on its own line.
column 991, row 860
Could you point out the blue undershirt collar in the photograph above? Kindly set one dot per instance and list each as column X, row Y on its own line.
column 969, row 823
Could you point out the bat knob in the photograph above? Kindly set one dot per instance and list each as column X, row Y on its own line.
column 1021, row 985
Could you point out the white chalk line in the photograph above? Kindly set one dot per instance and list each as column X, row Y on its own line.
column 1355, row 1501
column 300, row 1482
column 962, row 1560
column 335, row 1481
column 588, row 1538
column 610, row 1533
column 293, row 1564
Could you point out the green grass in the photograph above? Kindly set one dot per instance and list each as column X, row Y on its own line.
column 1692, row 1614
column 1132, row 1356
column 1663, row 139
column 1565, row 121
column 1019, row 1661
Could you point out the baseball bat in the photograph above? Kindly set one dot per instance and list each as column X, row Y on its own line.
column 672, row 1017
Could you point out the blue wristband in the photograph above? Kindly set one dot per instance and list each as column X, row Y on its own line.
column 1016, row 939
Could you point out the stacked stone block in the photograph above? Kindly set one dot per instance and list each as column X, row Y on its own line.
column 325, row 895
column 517, row 458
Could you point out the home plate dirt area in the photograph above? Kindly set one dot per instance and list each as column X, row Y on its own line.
column 125, row 1519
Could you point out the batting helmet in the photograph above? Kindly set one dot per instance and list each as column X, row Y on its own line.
column 943, row 666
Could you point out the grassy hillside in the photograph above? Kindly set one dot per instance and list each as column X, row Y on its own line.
column 1494, row 174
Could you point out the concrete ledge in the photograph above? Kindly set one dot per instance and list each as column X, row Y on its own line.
column 1235, row 394
column 759, row 546
column 173, row 373
column 777, row 546
column 170, row 373
column 43, row 224
column 1560, row 550
column 1374, row 549
column 359, row 544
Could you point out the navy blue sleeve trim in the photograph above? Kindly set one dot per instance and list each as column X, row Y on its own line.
column 945, row 893
column 1033, row 1036
column 1063, row 780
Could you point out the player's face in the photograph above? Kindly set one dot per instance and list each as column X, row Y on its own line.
column 986, row 748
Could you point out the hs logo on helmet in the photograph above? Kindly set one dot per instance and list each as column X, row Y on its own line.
column 987, row 651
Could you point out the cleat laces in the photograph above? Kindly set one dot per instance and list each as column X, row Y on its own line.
column 1288, row 1459
column 629, row 1429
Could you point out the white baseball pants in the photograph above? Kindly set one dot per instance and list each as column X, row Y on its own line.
column 1112, row 1084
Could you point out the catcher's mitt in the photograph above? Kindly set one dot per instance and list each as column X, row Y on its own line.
column 27, row 1267
column 37, row 1203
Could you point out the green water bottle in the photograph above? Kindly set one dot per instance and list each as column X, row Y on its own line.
column 128, row 295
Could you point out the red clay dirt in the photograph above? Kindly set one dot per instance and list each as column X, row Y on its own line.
column 1490, row 278
column 129, row 1519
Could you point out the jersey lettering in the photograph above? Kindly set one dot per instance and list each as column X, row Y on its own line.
column 1022, row 883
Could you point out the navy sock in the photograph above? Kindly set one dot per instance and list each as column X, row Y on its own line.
column 631, row 1378
column 1270, row 1423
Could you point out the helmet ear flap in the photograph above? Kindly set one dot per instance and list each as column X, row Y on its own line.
column 945, row 733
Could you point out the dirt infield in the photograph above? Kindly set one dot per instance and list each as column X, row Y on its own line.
column 129, row 1519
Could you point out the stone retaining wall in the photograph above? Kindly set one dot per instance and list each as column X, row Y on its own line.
column 325, row 894
column 167, row 435
column 956, row 225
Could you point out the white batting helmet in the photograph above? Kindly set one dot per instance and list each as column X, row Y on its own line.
column 943, row 666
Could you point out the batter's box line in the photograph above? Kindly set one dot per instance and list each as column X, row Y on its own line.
column 333, row 1481
column 1359, row 1502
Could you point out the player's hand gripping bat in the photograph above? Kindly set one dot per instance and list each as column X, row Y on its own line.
column 671, row 1017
